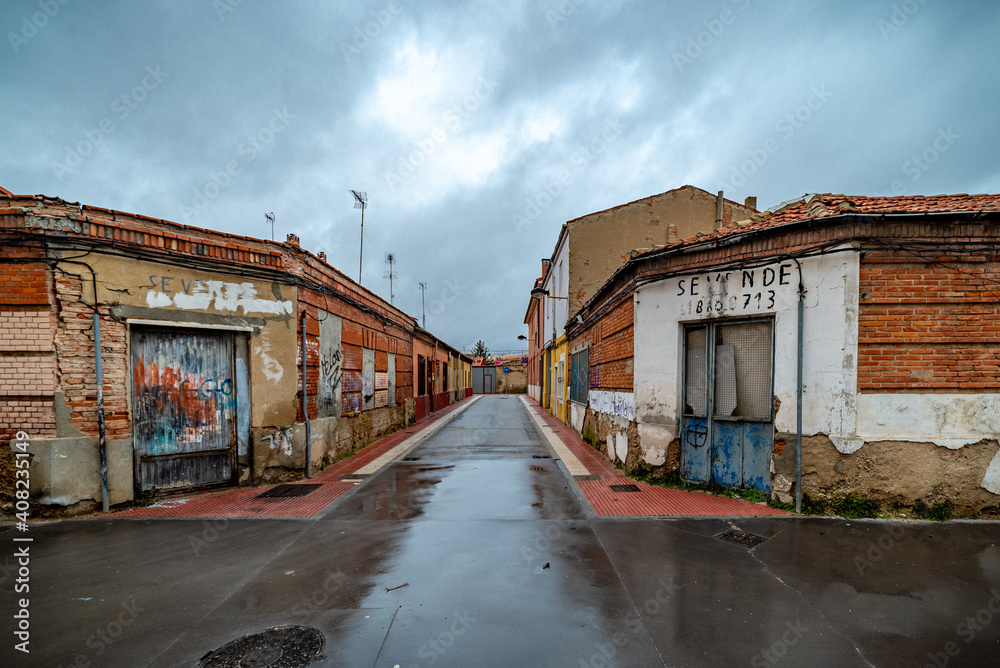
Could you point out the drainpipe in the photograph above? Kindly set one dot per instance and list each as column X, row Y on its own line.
column 102, row 443
column 798, row 398
column 305, row 401
column 718, row 210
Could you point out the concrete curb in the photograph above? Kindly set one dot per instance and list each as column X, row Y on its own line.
column 545, row 435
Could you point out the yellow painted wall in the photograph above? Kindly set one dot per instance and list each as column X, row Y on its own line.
column 557, row 392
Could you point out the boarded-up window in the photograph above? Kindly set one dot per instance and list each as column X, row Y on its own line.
column 579, row 368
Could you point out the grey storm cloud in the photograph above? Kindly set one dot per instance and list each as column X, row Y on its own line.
column 478, row 128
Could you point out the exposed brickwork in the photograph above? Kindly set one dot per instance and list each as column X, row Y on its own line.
column 74, row 342
column 27, row 375
column 930, row 325
column 27, row 361
column 612, row 349
column 26, row 330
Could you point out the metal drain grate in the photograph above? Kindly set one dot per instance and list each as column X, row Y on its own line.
column 580, row 478
column 624, row 488
column 740, row 537
column 287, row 491
column 540, row 457
column 411, row 459
column 353, row 476
column 284, row 646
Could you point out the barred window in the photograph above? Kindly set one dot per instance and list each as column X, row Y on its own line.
column 579, row 367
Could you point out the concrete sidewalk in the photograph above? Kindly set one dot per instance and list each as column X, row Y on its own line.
column 597, row 479
column 333, row 482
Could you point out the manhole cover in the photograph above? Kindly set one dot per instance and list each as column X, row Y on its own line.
column 740, row 537
column 286, row 491
column 579, row 478
column 624, row 488
column 278, row 647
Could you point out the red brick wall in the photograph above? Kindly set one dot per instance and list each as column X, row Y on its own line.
column 928, row 325
column 612, row 349
column 74, row 342
column 27, row 350
column 359, row 330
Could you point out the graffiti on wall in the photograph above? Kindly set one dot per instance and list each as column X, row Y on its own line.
column 198, row 295
column 176, row 409
column 280, row 440
column 618, row 404
column 331, row 365
column 330, row 374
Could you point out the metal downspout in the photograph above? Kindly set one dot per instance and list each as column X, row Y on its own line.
column 305, row 402
column 102, row 443
column 798, row 397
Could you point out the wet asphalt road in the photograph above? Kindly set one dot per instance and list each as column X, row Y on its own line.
column 479, row 553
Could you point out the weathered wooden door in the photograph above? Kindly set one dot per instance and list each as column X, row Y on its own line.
column 184, row 408
column 727, row 428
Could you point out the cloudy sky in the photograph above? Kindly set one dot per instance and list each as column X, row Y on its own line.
column 460, row 119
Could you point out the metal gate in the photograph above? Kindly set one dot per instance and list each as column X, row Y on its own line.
column 727, row 428
column 483, row 379
column 184, row 408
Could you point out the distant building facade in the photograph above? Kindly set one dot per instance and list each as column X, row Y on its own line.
column 588, row 251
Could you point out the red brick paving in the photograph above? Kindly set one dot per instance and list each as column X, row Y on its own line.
column 651, row 499
column 243, row 501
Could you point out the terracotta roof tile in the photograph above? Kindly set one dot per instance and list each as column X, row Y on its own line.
column 825, row 205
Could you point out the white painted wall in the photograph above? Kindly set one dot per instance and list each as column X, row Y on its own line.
column 830, row 333
column 557, row 283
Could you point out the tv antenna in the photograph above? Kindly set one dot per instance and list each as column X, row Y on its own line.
column 423, row 287
column 390, row 258
column 360, row 202
column 270, row 219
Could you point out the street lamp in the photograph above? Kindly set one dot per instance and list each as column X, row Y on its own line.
column 538, row 293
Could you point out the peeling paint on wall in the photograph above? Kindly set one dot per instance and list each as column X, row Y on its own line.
column 273, row 370
column 621, row 446
column 991, row 480
column 948, row 420
column 201, row 295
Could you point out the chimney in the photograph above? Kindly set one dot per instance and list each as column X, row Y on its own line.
column 321, row 255
column 292, row 240
column 751, row 203
column 718, row 211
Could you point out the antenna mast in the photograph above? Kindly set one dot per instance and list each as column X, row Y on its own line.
column 423, row 313
column 360, row 202
column 390, row 258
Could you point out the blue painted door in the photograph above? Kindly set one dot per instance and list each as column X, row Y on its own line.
column 730, row 380
column 696, row 449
